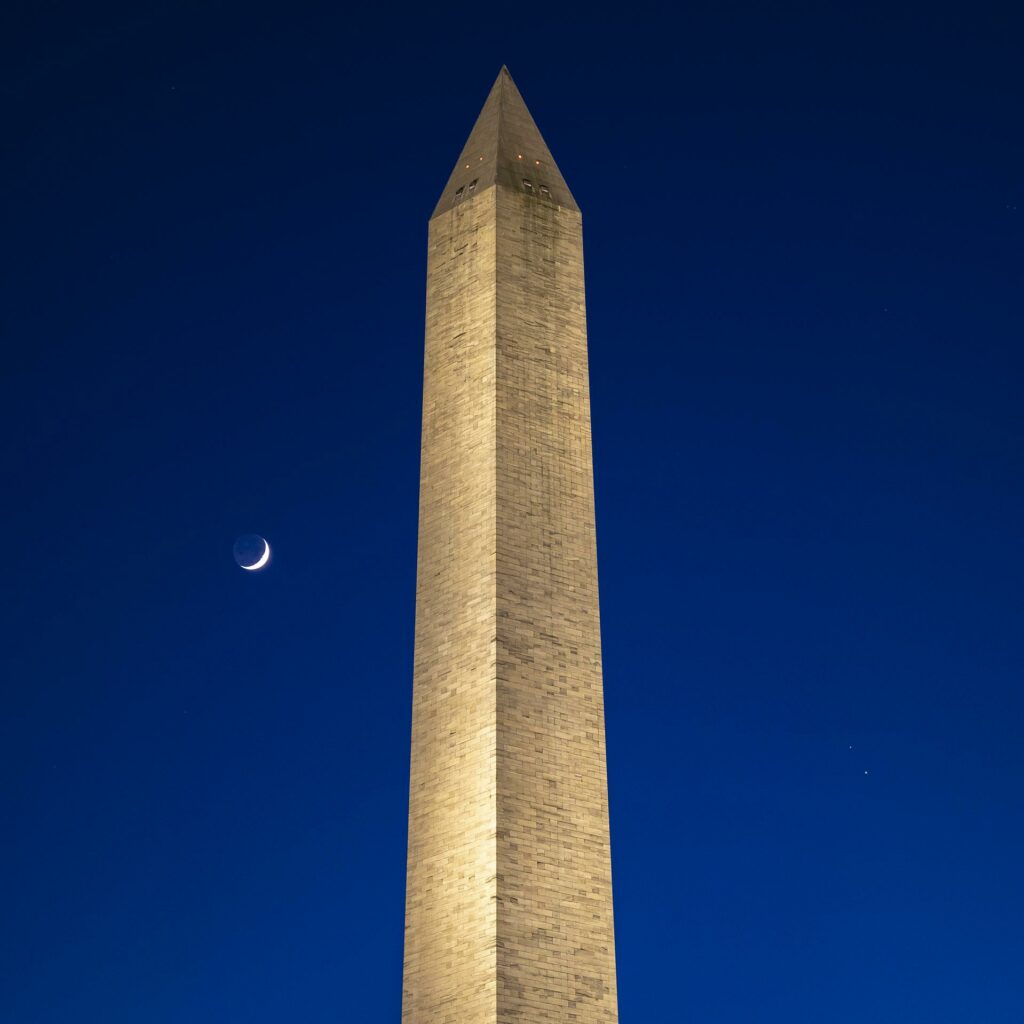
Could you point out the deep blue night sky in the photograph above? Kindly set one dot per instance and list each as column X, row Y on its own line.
column 803, row 231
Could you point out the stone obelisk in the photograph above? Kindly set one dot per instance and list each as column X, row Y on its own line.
column 509, row 896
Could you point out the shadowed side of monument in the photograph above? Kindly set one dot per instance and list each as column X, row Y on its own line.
column 508, row 904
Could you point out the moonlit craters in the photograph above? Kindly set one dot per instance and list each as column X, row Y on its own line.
column 252, row 552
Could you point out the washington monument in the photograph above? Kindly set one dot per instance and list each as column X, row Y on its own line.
column 509, row 894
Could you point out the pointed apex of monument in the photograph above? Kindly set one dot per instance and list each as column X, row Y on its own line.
column 505, row 148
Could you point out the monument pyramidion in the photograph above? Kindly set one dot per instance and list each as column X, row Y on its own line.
column 509, row 892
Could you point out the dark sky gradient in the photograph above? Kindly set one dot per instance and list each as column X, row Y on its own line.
column 803, row 231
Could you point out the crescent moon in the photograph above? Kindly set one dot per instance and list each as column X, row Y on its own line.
column 262, row 560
